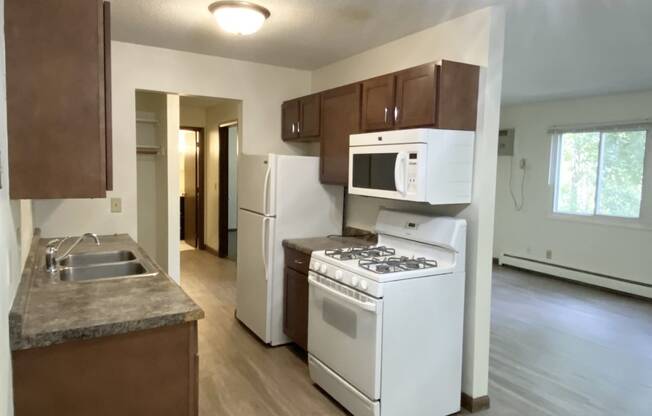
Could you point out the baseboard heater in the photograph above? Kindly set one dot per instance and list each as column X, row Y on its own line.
column 585, row 276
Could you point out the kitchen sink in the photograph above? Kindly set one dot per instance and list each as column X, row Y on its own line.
column 104, row 271
column 100, row 257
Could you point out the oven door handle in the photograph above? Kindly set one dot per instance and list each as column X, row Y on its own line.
column 400, row 171
column 367, row 306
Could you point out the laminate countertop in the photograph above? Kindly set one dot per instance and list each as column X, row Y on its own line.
column 308, row 245
column 49, row 311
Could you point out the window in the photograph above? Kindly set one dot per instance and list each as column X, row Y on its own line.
column 599, row 172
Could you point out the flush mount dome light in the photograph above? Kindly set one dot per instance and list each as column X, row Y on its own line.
column 239, row 17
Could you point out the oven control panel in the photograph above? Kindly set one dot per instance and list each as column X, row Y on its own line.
column 346, row 277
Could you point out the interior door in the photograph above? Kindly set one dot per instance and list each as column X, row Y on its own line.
column 415, row 97
column 340, row 117
column 290, row 120
column 378, row 103
column 253, row 282
column 190, row 188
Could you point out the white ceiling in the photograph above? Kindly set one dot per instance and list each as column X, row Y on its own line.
column 553, row 48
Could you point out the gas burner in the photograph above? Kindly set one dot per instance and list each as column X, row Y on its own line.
column 396, row 264
column 359, row 252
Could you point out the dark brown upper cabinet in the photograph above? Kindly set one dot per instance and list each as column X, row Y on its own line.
column 58, row 98
column 300, row 118
column 441, row 96
column 378, row 103
column 290, row 120
column 340, row 116
column 457, row 96
column 415, row 97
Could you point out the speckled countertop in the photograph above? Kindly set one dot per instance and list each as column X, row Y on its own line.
column 308, row 245
column 48, row 311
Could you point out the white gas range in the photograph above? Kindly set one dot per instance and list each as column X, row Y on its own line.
column 385, row 323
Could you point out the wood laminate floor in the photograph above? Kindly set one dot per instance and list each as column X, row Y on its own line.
column 557, row 349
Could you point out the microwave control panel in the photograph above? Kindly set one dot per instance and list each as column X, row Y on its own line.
column 412, row 172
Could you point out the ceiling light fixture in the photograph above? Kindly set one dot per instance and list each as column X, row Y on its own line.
column 239, row 17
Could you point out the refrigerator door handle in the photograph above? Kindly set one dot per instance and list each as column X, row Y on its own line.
column 266, row 189
column 264, row 245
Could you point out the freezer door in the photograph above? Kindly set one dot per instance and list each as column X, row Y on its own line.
column 256, row 183
column 253, row 282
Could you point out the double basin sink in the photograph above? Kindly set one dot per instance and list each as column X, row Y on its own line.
column 91, row 266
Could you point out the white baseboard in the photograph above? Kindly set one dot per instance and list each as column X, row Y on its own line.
column 588, row 277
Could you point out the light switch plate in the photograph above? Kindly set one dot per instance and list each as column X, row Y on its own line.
column 116, row 204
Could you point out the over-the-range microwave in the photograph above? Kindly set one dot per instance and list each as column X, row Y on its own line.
column 422, row 165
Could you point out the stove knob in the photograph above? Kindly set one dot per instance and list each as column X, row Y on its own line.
column 316, row 265
column 363, row 285
column 324, row 268
column 354, row 280
column 339, row 274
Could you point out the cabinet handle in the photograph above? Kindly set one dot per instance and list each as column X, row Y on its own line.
column 395, row 114
column 298, row 261
column 385, row 115
column 292, row 128
column 298, row 127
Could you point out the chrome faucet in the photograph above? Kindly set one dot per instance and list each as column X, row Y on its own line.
column 52, row 259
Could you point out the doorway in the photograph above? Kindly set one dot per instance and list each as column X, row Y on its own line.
column 191, row 184
column 228, row 196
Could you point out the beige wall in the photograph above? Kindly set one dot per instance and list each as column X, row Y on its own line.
column 192, row 116
column 476, row 38
column 226, row 111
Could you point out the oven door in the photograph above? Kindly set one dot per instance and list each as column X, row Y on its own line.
column 389, row 171
column 344, row 333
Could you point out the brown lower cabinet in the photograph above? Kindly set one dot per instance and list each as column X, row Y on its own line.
column 295, row 299
column 150, row 372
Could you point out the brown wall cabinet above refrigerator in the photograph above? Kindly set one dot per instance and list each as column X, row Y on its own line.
column 58, row 98
column 300, row 119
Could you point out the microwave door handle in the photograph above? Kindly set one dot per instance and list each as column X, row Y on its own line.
column 367, row 306
column 400, row 168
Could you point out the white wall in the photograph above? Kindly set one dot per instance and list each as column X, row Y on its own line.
column 613, row 250
column 476, row 38
column 262, row 88
column 16, row 232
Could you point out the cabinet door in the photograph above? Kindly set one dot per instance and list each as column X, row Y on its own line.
column 340, row 117
column 457, row 96
column 378, row 103
column 108, row 118
column 310, row 114
column 290, row 120
column 415, row 97
column 295, row 313
column 56, row 98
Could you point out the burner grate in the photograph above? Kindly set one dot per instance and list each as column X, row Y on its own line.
column 354, row 253
column 396, row 264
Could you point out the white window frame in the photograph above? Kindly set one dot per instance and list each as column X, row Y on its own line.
column 644, row 221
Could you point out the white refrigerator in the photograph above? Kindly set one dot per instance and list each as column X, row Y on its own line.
column 279, row 197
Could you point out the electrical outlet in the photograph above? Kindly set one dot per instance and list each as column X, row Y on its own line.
column 549, row 254
column 116, row 204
